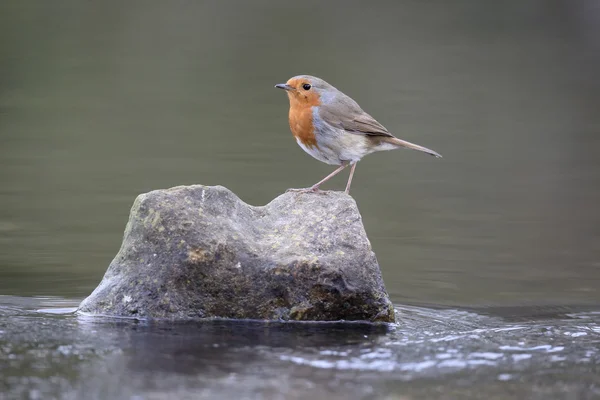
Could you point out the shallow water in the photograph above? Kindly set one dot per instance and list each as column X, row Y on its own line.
column 46, row 351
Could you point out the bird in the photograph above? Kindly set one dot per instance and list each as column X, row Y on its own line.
column 334, row 129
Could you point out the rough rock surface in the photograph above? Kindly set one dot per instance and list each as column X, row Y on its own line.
column 200, row 252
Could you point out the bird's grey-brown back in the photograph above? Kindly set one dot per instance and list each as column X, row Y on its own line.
column 340, row 111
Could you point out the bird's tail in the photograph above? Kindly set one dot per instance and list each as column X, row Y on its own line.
column 403, row 143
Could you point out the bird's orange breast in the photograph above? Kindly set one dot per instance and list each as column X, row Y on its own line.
column 301, row 121
column 302, row 127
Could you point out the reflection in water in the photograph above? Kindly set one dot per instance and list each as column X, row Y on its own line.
column 464, row 353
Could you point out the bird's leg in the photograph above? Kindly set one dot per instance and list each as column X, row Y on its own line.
column 315, row 187
column 350, row 178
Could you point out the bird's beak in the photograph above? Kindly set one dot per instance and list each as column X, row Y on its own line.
column 284, row 86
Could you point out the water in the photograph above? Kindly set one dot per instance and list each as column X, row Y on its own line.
column 50, row 353
column 102, row 101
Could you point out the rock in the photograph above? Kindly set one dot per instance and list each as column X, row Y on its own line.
column 200, row 252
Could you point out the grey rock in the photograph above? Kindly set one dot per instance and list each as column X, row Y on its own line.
column 201, row 252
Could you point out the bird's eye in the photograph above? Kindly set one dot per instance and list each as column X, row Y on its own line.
column 306, row 86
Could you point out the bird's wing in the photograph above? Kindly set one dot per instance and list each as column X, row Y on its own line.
column 347, row 114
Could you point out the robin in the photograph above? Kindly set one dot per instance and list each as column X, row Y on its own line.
column 332, row 127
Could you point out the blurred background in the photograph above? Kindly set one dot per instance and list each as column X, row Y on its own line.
column 101, row 101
